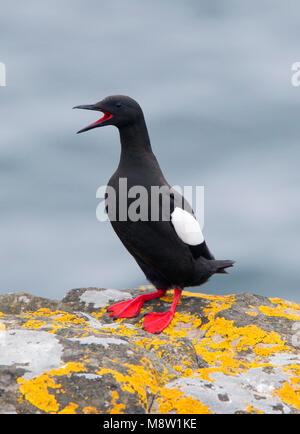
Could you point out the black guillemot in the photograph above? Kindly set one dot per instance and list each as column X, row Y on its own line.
column 170, row 255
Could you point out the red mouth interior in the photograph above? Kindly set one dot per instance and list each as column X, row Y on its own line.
column 105, row 117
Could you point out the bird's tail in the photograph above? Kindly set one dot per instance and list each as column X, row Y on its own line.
column 220, row 265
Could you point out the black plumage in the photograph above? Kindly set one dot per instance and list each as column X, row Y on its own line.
column 165, row 258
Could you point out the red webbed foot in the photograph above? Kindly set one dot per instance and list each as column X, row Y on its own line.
column 126, row 309
column 156, row 322
column 131, row 308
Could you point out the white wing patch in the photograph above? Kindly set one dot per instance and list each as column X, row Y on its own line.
column 186, row 227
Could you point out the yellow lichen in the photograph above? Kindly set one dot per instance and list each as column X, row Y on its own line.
column 178, row 368
column 284, row 309
column 144, row 287
column 36, row 391
column 252, row 313
column 42, row 311
column 150, row 343
column 138, row 379
column 116, row 407
column 68, row 368
column 121, row 330
column 69, row 409
column 251, row 409
column 193, row 294
column 171, row 399
column 180, row 317
column 293, row 371
column 89, row 410
column 185, row 372
column 197, row 322
column 33, row 324
column 97, row 314
column 289, row 395
column 225, row 348
column 285, row 304
column 217, row 304
column 59, row 319
column 60, row 316
column 168, row 297
column 221, row 353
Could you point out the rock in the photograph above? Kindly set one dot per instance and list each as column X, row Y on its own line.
column 221, row 354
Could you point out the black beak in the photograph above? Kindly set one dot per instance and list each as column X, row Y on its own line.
column 100, row 123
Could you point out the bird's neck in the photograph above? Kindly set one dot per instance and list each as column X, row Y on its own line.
column 135, row 141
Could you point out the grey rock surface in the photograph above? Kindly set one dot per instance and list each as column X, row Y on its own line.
column 221, row 354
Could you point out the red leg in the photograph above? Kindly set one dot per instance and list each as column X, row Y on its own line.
column 156, row 322
column 131, row 308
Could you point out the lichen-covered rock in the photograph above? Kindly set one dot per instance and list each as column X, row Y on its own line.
column 220, row 354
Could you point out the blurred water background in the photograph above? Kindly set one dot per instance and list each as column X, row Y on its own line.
column 214, row 81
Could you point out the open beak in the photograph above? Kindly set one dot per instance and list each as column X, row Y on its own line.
column 100, row 123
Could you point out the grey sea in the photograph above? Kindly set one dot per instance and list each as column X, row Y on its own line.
column 214, row 81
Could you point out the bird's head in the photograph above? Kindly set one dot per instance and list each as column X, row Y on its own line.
column 118, row 110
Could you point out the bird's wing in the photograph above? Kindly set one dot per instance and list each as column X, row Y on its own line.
column 187, row 227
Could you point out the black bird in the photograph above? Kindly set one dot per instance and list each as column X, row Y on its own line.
column 170, row 249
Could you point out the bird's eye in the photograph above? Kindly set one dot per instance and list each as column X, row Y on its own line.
column 118, row 104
